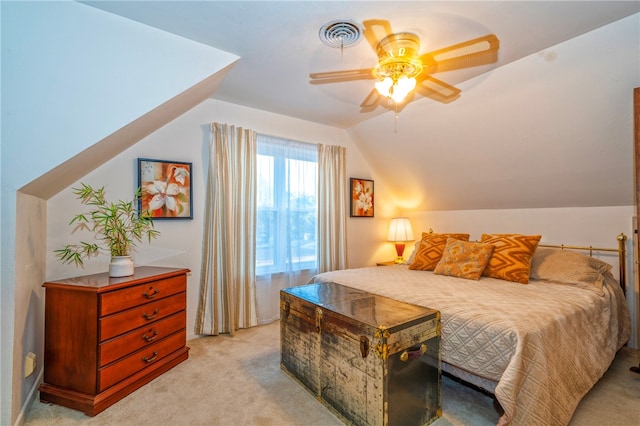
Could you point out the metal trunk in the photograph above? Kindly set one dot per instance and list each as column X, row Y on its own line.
column 370, row 359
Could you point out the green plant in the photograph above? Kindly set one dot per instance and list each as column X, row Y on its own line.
column 118, row 226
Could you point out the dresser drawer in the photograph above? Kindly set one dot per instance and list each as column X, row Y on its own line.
column 119, row 300
column 116, row 348
column 120, row 370
column 116, row 324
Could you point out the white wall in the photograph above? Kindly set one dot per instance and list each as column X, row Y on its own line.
column 187, row 139
column 30, row 297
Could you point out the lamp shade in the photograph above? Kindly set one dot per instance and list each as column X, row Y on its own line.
column 400, row 230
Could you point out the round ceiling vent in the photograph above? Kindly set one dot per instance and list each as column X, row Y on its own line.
column 340, row 34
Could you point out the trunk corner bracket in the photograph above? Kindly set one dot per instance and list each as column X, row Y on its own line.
column 382, row 350
column 286, row 307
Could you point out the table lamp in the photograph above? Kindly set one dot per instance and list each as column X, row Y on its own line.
column 400, row 232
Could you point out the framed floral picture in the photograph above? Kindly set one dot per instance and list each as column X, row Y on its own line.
column 166, row 188
column 361, row 197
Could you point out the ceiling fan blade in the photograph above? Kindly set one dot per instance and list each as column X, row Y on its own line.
column 436, row 89
column 479, row 51
column 375, row 99
column 375, row 30
column 339, row 76
column 371, row 101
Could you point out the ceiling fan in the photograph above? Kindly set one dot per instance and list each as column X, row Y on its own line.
column 402, row 73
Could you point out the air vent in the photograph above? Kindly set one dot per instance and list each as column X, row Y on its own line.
column 340, row 34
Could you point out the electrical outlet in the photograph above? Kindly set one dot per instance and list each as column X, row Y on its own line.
column 29, row 364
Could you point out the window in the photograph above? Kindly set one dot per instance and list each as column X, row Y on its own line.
column 286, row 228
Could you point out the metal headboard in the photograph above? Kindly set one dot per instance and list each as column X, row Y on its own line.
column 621, row 250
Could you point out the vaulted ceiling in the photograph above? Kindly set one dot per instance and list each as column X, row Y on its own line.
column 547, row 125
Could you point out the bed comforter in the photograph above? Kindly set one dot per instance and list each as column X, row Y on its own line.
column 544, row 344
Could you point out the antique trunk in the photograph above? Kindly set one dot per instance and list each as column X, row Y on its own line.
column 370, row 359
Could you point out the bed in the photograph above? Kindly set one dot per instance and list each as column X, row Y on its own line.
column 539, row 346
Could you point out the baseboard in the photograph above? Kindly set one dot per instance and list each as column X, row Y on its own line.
column 31, row 397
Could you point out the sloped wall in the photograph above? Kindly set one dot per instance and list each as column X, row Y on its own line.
column 554, row 129
column 72, row 76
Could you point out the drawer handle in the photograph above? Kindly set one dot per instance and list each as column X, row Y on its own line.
column 152, row 337
column 152, row 316
column 151, row 358
column 152, row 295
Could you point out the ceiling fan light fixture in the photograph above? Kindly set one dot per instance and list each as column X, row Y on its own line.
column 396, row 89
column 402, row 88
column 398, row 55
column 384, row 86
column 398, row 65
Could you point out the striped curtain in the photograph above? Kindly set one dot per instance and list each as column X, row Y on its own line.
column 332, row 208
column 227, row 285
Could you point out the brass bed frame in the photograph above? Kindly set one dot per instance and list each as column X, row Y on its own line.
column 621, row 250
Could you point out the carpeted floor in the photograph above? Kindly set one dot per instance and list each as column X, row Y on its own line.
column 237, row 381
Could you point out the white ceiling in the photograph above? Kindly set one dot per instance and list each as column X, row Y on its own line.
column 279, row 46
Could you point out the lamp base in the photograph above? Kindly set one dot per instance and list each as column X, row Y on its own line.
column 399, row 252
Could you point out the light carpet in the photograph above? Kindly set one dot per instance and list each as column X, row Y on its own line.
column 238, row 381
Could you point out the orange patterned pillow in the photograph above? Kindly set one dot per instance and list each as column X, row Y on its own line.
column 511, row 259
column 464, row 259
column 429, row 251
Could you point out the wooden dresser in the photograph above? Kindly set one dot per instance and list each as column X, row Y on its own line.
column 106, row 337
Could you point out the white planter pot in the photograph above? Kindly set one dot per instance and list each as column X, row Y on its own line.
column 121, row 266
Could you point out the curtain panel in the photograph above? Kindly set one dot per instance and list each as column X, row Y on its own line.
column 332, row 208
column 227, row 285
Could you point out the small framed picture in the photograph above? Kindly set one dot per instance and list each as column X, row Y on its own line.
column 166, row 188
column 361, row 198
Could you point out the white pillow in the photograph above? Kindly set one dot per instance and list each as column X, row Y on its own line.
column 569, row 267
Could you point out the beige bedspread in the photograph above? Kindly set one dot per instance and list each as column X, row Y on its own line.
column 545, row 344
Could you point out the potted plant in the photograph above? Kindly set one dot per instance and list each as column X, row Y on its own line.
column 117, row 226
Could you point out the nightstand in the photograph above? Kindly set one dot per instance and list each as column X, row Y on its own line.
column 389, row 263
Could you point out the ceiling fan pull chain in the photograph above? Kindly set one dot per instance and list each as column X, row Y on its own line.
column 395, row 120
